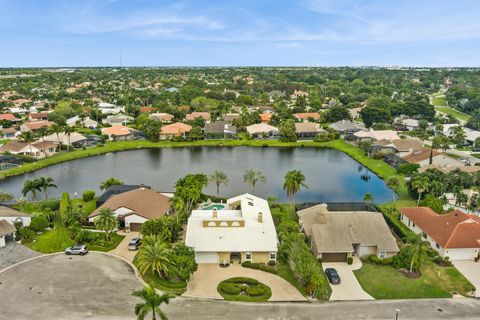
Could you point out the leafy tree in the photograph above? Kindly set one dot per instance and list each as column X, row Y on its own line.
column 110, row 182
column 31, row 186
column 182, row 262
column 393, row 183
column 218, row 177
column 5, row 197
column 420, row 184
column 294, row 181
column 196, row 133
column 368, row 198
column 151, row 303
column 45, row 184
column 39, row 223
column 371, row 115
column 252, row 176
column 287, row 131
column 151, row 128
column 68, row 132
column 419, row 248
column 167, row 228
column 106, row 221
column 337, row 113
column 189, row 189
column 153, row 256
column 408, row 168
column 461, row 199
column 458, row 135
column 57, row 129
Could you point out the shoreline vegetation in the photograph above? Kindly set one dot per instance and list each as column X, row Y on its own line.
column 378, row 167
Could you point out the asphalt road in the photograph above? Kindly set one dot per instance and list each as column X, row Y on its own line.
column 98, row 286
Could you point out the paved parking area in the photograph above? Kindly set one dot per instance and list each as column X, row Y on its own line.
column 204, row 282
column 470, row 270
column 14, row 253
column 57, row 286
column 349, row 287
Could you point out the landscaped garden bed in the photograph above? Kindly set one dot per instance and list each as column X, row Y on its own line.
column 244, row 289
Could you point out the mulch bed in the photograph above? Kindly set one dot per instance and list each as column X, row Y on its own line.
column 411, row 275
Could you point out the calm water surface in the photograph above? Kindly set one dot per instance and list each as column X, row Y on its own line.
column 331, row 175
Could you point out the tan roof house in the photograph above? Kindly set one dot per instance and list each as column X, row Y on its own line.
column 38, row 150
column 163, row 117
column 135, row 207
column 35, row 125
column 335, row 236
column 175, row 130
column 307, row 116
column 120, row 133
column 375, row 135
column 194, row 115
column 262, row 131
column 308, row 130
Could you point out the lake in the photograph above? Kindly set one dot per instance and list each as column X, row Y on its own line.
column 331, row 175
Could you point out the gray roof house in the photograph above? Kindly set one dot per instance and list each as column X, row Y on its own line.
column 220, row 130
column 347, row 127
column 335, row 236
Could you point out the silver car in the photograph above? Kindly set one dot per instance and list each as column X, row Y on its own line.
column 134, row 244
column 79, row 249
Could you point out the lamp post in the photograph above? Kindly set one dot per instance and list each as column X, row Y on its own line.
column 397, row 311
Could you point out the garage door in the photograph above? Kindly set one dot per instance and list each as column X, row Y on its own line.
column 206, row 257
column 135, row 226
column 334, row 257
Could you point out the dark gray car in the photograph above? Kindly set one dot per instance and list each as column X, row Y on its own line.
column 332, row 276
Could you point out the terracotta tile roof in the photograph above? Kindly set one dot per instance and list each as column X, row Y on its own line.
column 8, row 117
column 176, row 128
column 204, row 115
column 307, row 115
column 144, row 202
column 420, row 155
column 9, row 130
column 146, row 109
column 265, row 117
column 35, row 125
column 38, row 115
column 456, row 229
column 117, row 131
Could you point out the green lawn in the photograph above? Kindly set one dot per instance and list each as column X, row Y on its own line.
column 385, row 282
column 86, row 207
column 238, row 289
column 439, row 101
column 55, row 240
column 115, row 240
column 457, row 114
column 176, row 288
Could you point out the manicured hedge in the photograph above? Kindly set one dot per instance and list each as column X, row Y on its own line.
column 244, row 289
column 64, row 205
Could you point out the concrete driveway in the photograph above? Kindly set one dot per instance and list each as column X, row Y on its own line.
column 57, row 286
column 204, row 282
column 349, row 287
column 13, row 253
column 122, row 248
column 470, row 270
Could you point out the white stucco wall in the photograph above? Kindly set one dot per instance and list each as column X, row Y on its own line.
column 207, row 257
column 133, row 219
column 461, row 254
column 2, row 242
column 11, row 220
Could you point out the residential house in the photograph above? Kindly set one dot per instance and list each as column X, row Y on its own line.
column 422, row 157
column 220, row 130
column 90, row 124
column 175, row 130
column 307, row 116
column 12, row 216
column 72, row 122
column 9, row 117
column 308, row 130
column 470, row 134
column 35, row 125
column 117, row 189
column 146, row 109
column 118, row 120
column 275, row 94
column 347, row 127
column 22, row 110
column 9, row 133
column 120, row 133
column 240, row 230
column 38, row 116
column 38, row 150
column 135, row 207
column 7, row 231
column 455, row 235
column 194, row 115
column 108, row 108
column 401, row 147
column 162, row 117
column 262, row 131
column 375, row 135
column 408, row 124
column 74, row 138
column 298, row 93
column 229, row 117
column 335, row 236
column 447, row 168
column 452, row 202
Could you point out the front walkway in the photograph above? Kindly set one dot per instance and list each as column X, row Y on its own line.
column 122, row 248
column 204, row 282
column 349, row 287
column 470, row 270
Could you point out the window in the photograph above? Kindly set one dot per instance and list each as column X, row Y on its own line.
column 409, row 222
column 424, row 235
column 382, row 255
column 273, row 255
column 414, row 225
column 437, row 245
column 250, row 204
column 248, row 256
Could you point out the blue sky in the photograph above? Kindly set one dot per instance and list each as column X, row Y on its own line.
column 225, row 32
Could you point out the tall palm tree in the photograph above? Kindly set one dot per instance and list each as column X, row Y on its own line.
column 151, row 303
column 27, row 137
column 110, row 182
column 153, row 257
column 419, row 249
column 458, row 135
column 420, row 184
column 294, row 181
column 393, row 183
column 31, row 186
column 106, row 221
column 68, row 131
column 46, row 183
column 57, row 129
column 218, row 177
column 252, row 176
column 41, row 133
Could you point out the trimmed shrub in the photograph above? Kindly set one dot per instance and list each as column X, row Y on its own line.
column 258, row 266
column 39, row 223
column 51, row 204
column 26, row 234
column 88, row 195
column 229, row 288
column 249, row 281
column 349, row 260
column 64, row 205
column 256, row 291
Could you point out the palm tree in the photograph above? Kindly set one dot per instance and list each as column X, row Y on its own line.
column 46, row 183
column 294, row 181
column 153, row 256
column 252, row 176
column 68, row 131
column 106, row 221
column 461, row 199
column 419, row 249
column 57, row 129
column 218, row 177
column 151, row 303
column 41, row 133
column 458, row 135
column 420, row 184
column 368, row 198
column 31, row 186
column 393, row 183
column 28, row 137
column 110, row 182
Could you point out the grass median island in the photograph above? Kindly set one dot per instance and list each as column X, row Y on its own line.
column 244, row 289
column 454, row 112
column 386, row 282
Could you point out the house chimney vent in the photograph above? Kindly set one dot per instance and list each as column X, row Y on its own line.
column 260, row 217
column 214, row 213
